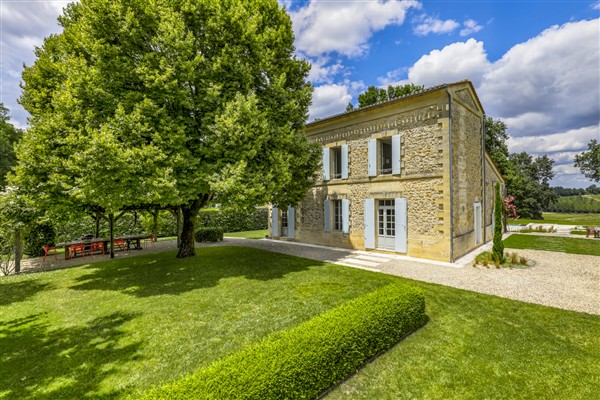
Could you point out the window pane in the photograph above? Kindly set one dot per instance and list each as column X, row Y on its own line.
column 385, row 156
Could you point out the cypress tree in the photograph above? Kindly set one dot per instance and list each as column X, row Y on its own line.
column 498, row 248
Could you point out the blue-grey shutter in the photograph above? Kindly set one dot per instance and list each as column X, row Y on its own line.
column 291, row 221
column 345, row 215
column 326, row 218
column 372, row 157
column 396, row 154
column 275, row 221
column 326, row 165
column 369, row 223
column 401, row 225
column 344, row 161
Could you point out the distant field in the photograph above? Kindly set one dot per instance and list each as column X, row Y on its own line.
column 587, row 203
column 562, row 219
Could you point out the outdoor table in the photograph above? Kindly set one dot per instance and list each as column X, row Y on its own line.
column 87, row 242
column 133, row 238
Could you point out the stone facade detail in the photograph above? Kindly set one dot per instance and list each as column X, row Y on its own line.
column 443, row 171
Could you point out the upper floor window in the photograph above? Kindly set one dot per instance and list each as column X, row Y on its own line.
column 335, row 162
column 384, row 156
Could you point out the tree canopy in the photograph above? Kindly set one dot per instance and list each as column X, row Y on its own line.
column 527, row 178
column 374, row 95
column 168, row 103
column 589, row 161
column 9, row 136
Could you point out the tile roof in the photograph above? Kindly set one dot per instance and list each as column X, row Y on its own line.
column 419, row 93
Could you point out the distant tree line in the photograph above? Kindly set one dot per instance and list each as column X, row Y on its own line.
column 562, row 191
column 575, row 204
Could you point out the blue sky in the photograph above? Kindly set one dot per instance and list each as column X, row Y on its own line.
column 534, row 64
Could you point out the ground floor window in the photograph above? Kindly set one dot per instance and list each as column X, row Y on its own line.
column 386, row 223
column 337, row 215
column 284, row 224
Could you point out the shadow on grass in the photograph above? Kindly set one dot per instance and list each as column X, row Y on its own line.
column 14, row 292
column 162, row 273
column 43, row 363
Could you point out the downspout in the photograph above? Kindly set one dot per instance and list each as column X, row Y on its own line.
column 451, row 178
column 483, row 168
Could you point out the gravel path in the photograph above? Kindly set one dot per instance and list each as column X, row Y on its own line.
column 567, row 281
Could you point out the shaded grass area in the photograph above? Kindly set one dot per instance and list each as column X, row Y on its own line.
column 259, row 234
column 478, row 346
column 111, row 329
column 554, row 243
column 562, row 219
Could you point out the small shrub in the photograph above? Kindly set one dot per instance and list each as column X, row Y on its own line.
column 522, row 261
column 209, row 235
column 304, row 361
column 514, row 257
column 485, row 263
column 36, row 236
column 497, row 263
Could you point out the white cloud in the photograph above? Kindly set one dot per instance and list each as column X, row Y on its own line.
column 426, row 25
column 457, row 61
column 574, row 140
column 24, row 25
column 344, row 27
column 329, row 100
column 596, row 5
column 545, row 89
column 470, row 26
column 555, row 73
column 322, row 71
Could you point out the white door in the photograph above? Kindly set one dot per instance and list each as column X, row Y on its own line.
column 386, row 224
column 477, row 218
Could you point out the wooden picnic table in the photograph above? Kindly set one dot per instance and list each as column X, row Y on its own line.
column 136, row 239
column 86, row 242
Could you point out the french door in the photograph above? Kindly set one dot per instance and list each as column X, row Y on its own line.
column 386, row 222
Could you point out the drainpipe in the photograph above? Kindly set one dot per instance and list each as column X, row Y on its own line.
column 483, row 169
column 451, row 186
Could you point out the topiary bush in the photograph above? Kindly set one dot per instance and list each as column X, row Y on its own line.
column 498, row 246
column 36, row 236
column 304, row 361
column 209, row 235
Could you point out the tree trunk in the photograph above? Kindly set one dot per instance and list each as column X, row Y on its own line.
column 18, row 251
column 189, row 212
column 111, row 224
column 97, row 219
column 178, row 217
column 155, row 228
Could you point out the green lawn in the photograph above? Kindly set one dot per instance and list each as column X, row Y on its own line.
column 111, row 329
column 259, row 234
column 561, row 219
column 554, row 243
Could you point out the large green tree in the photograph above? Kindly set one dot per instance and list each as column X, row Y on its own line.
column 528, row 180
column 374, row 95
column 169, row 103
column 9, row 136
column 495, row 142
column 589, row 161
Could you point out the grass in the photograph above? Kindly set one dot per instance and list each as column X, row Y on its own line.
column 259, row 234
column 561, row 219
column 112, row 329
column 554, row 243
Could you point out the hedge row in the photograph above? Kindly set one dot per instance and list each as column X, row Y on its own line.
column 231, row 220
column 209, row 235
column 306, row 360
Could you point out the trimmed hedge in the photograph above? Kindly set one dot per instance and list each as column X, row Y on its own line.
column 304, row 361
column 209, row 235
column 234, row 220
column 36, row 236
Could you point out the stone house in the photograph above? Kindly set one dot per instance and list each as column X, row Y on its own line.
column 409, row 176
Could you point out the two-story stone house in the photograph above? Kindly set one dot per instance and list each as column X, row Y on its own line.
column 409, row 176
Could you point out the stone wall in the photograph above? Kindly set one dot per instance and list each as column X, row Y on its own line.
column 467, row 173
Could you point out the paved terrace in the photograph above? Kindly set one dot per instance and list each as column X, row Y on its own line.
column 567, row 281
